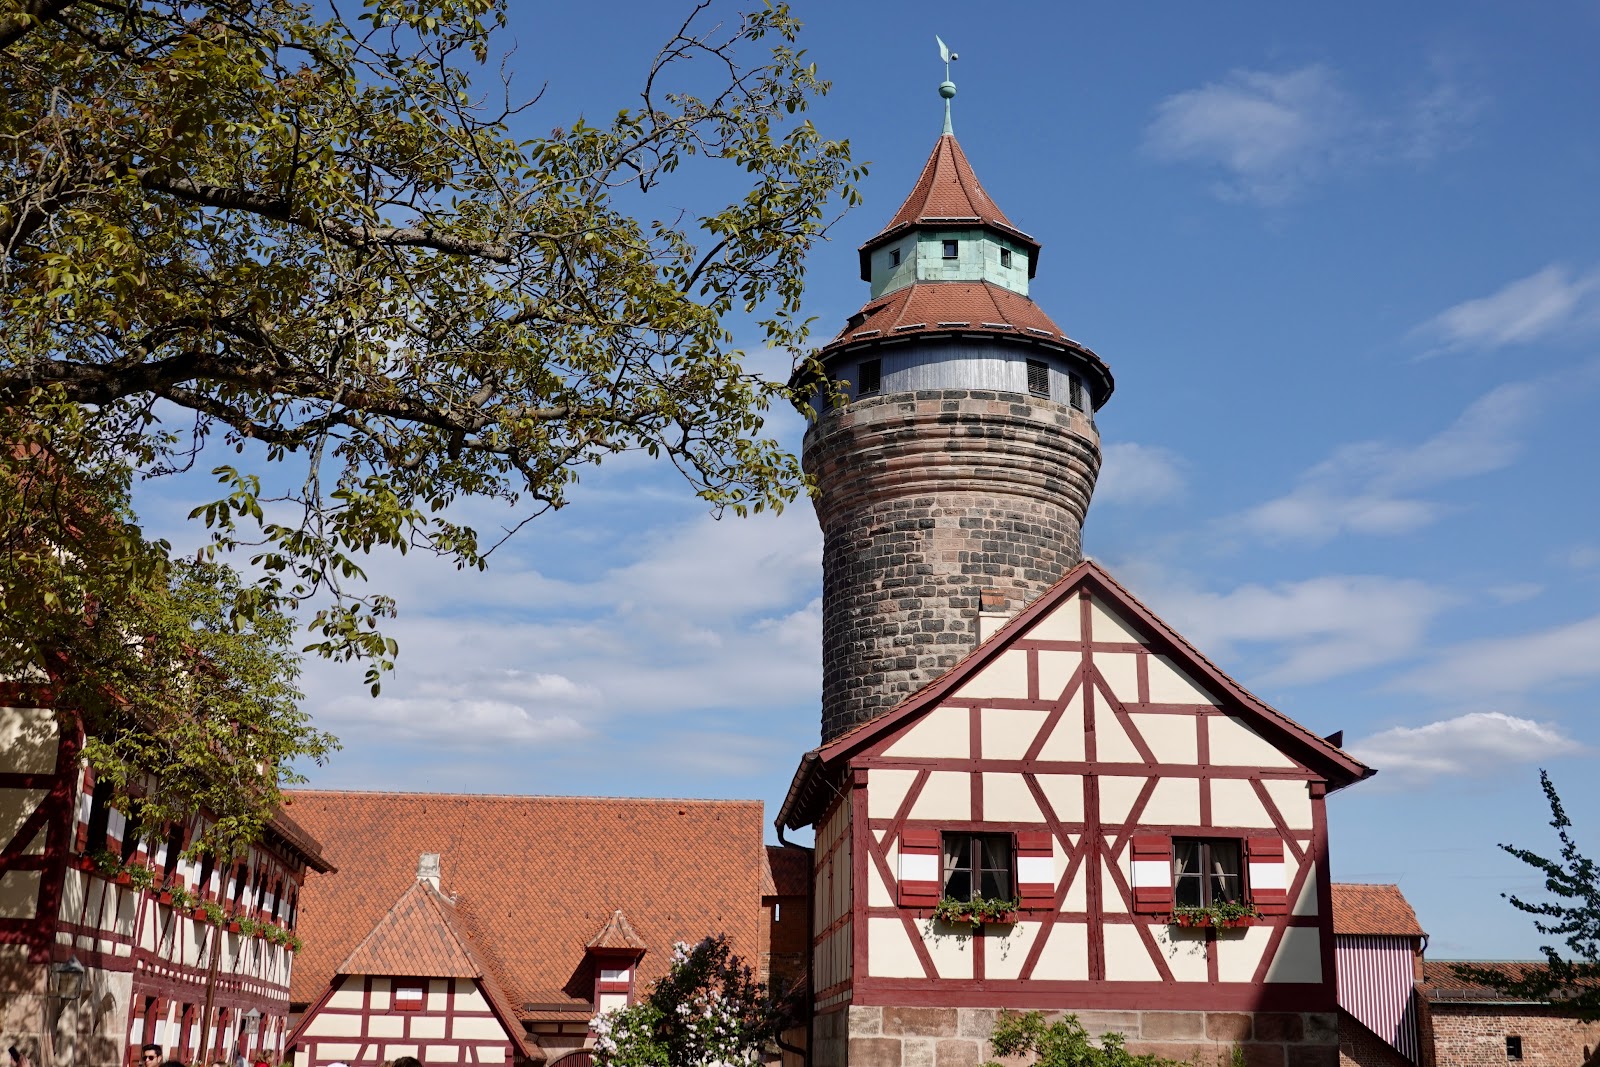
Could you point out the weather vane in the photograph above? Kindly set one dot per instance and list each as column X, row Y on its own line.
column 947, row 88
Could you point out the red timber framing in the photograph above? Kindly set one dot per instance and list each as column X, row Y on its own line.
column 357, row 1021
column 1124, row 742
column 114, row 927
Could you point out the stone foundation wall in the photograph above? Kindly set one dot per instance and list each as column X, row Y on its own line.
column 927, row 499
column 1360, row 1047
column 959, row 1037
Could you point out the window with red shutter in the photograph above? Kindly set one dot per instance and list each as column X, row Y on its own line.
column 1269, row 887
column 1036, row 869
column 1152, row 874
column 920, row 877
column 408, row 994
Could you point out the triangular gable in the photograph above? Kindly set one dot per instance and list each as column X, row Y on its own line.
column 422, row 936
column 990, row 660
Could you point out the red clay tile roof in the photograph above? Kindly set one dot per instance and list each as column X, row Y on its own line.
column 1373, row 910
column 414, row 937
column 948, row 191
column 616, row 933
column 946, row 307
column 1440, row 982
column 789, row 872
column 533, row 878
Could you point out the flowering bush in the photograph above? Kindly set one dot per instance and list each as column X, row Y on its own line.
column 709, row 1011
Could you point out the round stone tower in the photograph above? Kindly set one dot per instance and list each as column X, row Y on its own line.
column 957, row 452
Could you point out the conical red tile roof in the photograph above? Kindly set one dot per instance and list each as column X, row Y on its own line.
column 416, row 936
column 939, row 307
column 948, row 191
column 617, row 933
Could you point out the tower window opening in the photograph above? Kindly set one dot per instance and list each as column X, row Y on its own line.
column 1513, row 1047
column 1080, row 399
column 952, row 249
column 1038, row 377
column 894, row 257
column 1005, row 257
column 870, row 377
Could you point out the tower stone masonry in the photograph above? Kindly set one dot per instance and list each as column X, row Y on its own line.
column 958, row 453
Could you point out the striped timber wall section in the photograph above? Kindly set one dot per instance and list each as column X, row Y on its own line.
column 1377, row 985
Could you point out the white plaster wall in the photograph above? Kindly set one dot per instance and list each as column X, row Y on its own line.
column 889, row 950
column 1239, row 951
column 16, row 805
column 1127, row 960
column 1065, row 742
column 1055, row 671
column 1007, row 798
column 1185, row 951
column 1171, row 685
column 1006, row 733
column 943, row 733
column 945, row 795
column 1293, row 801
column 1172, row 738
column 951, row 952
column 1005, row 948
column 886, row 788
column 1234, row 803
column 1299, row 957
column 1176, row 801
column 1112, row 744
column 1065, row 956
column 1117, row 794
column 1121, row 673
column 1110, row 899
column 1106, row 625
column 1065, row 794
column 1006, row 676
column 1235, row 744
column 1306, row 903
column 19, row 894
column 28, row 739
column 1061, row 624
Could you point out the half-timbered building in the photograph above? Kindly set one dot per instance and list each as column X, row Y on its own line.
column 555, row 908
column 158, row 935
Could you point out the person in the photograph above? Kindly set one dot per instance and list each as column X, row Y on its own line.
column 149, row 1055
column 407, row 1061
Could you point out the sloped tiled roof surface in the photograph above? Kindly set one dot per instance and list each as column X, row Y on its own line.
column 1440, row 982
column 790, row 872
column 932, row 307
column 533, row 878
column 413, row 937
column 1373, row 910
column 948, row 189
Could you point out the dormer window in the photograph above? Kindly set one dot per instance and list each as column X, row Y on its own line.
column 1005, row 257
column 952, row 250
column 894, row 257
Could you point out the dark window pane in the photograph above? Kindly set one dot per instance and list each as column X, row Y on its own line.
column 1005, row 257
column 1187, row 892
column 997, row 852
column 952, row 250
column 958, row 884
column 997, row 884
column 871, row 375
column 894, row 257
column 1038, row 378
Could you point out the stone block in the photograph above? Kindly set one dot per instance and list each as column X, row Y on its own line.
column 917, row 1052
column 1321, row 1028
column 1171, row 1025
column 1228, row 1026
column 975, row 1022
column 1256, row 1055
column 957, row 1052
column 921, row 1022
column 865, row 1021
column 1313, row 1056
column 874, row 1052
column 1279, row 1026
column 1096, row 1023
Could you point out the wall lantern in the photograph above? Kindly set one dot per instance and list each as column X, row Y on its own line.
column 252, row 1021
column 66, row 980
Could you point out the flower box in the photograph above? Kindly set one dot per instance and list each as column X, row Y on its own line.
column 1207, row 919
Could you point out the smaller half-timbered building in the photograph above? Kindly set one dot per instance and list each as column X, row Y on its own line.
column 1158, row 834
column 415, row 986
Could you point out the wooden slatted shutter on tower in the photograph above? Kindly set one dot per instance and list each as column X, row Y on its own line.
column 921, row 868
column 1152, row 874
column 1268, row 884
column 1036, row 869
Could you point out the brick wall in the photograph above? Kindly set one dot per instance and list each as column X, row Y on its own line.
column 1474, row 1035
column 926, row 499
column 959, row 1037
column 1360, row 1047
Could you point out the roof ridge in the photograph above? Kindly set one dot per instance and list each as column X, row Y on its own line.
column 731, row 802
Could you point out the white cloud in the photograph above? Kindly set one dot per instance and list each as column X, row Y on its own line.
column 1529, row 309
column 1371, row 487
column 1272, row 133
column 1476, row 744
column 1512, row 666
column 1322, row 627
column 1139, row 474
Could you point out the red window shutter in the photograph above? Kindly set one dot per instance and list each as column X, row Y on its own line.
column 921, row 871
column 1036, row 869
column 1152, row 874
column 1269, row 886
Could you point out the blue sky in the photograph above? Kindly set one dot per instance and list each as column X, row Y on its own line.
column 1343, row 263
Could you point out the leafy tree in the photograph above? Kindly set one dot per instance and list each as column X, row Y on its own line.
column 319, row 238
column 1570, row 977
column 1063, row 1043
column 186, row 707
column 708, row 1010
